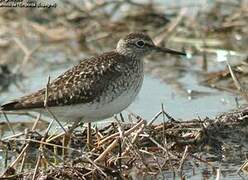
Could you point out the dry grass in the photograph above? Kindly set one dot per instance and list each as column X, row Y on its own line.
column 118, row 149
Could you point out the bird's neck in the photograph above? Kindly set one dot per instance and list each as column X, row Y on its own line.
column 129, row 54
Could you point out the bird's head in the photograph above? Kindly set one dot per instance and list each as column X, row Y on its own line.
column 140, row 44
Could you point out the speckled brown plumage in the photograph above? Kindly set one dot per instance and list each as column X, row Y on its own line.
column 84, row 83
column 98, row 87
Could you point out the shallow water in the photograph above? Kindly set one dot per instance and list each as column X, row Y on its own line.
column 153, row 93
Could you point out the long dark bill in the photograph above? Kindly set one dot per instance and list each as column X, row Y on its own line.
column 170, row 51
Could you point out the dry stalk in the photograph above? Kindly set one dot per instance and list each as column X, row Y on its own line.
column 27, row 52
column 54, row 137
column 121, row 131
column 25, row 153
column 40, row 149
column 21, row 45
column 36, row 166
column 45, row 158
column 19, row 156
column 170, row 118
column 198, row 43
column 154, row 118
column 160, row 146
column 23, row 161
column 48, row 144
column 185, row 154
column 95, row 165
column 22, row 113
column 55, row 118
column 107, row 150
column 244, row 166
column 218, row 174
column 22, row 154
column 8, row 122
column 169, row 30
column 29, row 55
column 126, row 133
column 12, row 136
column 47, row 130
column 46, row 106
column 133, row 140
column 120, row 128
column 89, row 135
column 237, row 83
column 137, row 152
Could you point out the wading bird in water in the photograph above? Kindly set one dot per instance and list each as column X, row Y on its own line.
column 96, row 88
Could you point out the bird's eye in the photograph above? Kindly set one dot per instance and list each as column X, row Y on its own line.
column 140, row 44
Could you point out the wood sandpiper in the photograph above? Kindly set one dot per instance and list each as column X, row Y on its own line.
column 98, row 87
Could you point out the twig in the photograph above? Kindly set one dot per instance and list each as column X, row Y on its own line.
column 126, row 133
column 121, row 131
column 89, row 134
column 55, row 118
column 48, row 144
column 36, row 166
column 12, row 136
column 185, row 154
column 8, row 122
column 133, row 140
column 234, row 77
column 158, row 39
column 27, row 52
column 107, row 150
column 55, row 137
column 25, row 153
column 159, row 145
column 154, row 118
column 170, row 118
column 94, row 164
column 36, row 122
column 46, row 92
column 114, row 143
column 245, row 164
column 19, row 156
column 238, row 85
column 218, row 175
column 25, row 148
column 46, row 104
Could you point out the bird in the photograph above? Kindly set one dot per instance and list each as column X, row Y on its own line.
column 97, row 87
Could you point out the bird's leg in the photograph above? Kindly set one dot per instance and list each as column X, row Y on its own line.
column 74, row 125
column 68, row 134
column 89, row 136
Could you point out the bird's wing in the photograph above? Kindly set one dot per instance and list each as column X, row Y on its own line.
column 83, row 83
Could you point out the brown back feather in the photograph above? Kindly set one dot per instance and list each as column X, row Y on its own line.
column 83, row 83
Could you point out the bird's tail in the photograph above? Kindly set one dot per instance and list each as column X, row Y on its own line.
column 9, row 106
